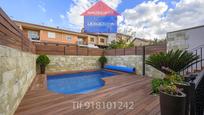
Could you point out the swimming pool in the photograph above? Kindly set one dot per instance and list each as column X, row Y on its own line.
column 77, row 83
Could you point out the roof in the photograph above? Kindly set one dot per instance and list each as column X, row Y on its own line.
column 36, row 26
column 123, row 34
column 100, row 9
column 93, row 34
column 141, row 39
column 195, row 27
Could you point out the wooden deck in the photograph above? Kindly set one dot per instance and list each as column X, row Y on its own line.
column 119, row 89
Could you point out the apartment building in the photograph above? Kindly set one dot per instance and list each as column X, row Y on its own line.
column 50, row 34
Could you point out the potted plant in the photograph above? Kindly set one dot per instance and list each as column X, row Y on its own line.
column 103, row 60
column 172, row 100
column 42, row 61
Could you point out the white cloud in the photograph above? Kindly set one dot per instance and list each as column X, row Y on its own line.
column 153, row 19
column 80, row 6
column 144, row 20
column 62, row 16
column 50, row 20
column 42, row 8
column 150, row 19
column 187, row 13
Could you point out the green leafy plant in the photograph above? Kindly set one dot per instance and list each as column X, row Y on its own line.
column 169, row 80
column 170, row 89
column 103, row 60
column 174, row 60
column 42, row 61
column 120, row 44
column 156, row 83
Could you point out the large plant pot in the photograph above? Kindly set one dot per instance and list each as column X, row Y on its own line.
column 187, row 90
column 172, row 104
column 42, row 69
column 102, row 65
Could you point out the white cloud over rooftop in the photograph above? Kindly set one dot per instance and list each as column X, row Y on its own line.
column 150, row 19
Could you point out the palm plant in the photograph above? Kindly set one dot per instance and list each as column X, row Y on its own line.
column 173, row 60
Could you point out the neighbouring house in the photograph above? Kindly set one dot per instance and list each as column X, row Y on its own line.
column 188, row 38
column 141, row 42
column 43, row 33
column 99, row 40
column 117, row 37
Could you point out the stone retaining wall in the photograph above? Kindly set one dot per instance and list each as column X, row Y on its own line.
column 17, row 70
column 69, row 63
column 134, row 61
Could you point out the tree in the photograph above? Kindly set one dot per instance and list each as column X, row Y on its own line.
column 120, row 44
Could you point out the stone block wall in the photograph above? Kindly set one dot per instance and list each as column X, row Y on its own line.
column 17, row 70
column 134, row 61
column 70, row 63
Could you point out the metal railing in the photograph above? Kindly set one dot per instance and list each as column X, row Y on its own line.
column 195, row 89
column 196, row 65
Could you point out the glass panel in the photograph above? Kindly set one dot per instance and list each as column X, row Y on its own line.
column 33, row 35
column 69, row 38
column 51, row 35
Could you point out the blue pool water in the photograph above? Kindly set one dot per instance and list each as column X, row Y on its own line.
column 77, row 83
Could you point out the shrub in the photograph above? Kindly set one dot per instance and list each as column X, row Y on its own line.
column 103, row 60
column 43, row 60
column 170, row 89
column 120, row 44
column 156, row 83
column 173, row 60
column 170, row 80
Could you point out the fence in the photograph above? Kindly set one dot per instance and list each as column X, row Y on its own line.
column 148, row 50
column 66, row 49
column 12, row 36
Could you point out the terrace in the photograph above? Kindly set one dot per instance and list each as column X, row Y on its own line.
column 122, row 88
column 24, row 91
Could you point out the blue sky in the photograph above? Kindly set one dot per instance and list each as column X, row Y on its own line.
column 48, row 11
column 140, row 16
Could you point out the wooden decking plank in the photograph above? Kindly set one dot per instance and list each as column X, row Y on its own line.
column 123, row 88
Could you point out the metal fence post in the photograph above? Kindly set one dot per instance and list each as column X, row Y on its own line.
column 64, row 50
column 77, row 50
column 87, row 51
column 143, row 61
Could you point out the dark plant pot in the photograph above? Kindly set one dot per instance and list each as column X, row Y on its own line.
column 187, row 91
column 102, row 65
column 172, row 104
column 42, row 69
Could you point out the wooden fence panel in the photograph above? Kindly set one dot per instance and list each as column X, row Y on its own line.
column 71, row 50
column 82, row 51
column 155, row 49
column 95, row 52
column 111, row 52
column 12, row 36
column 139, row 50
column 130, row 51
column 50, row 49
column 120, row 52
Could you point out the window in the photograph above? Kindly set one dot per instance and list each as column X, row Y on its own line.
column 102, row 40
column 33, row 35
column 69, row 38
column 80, row 41
column 51, row 35
column 92, row 39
